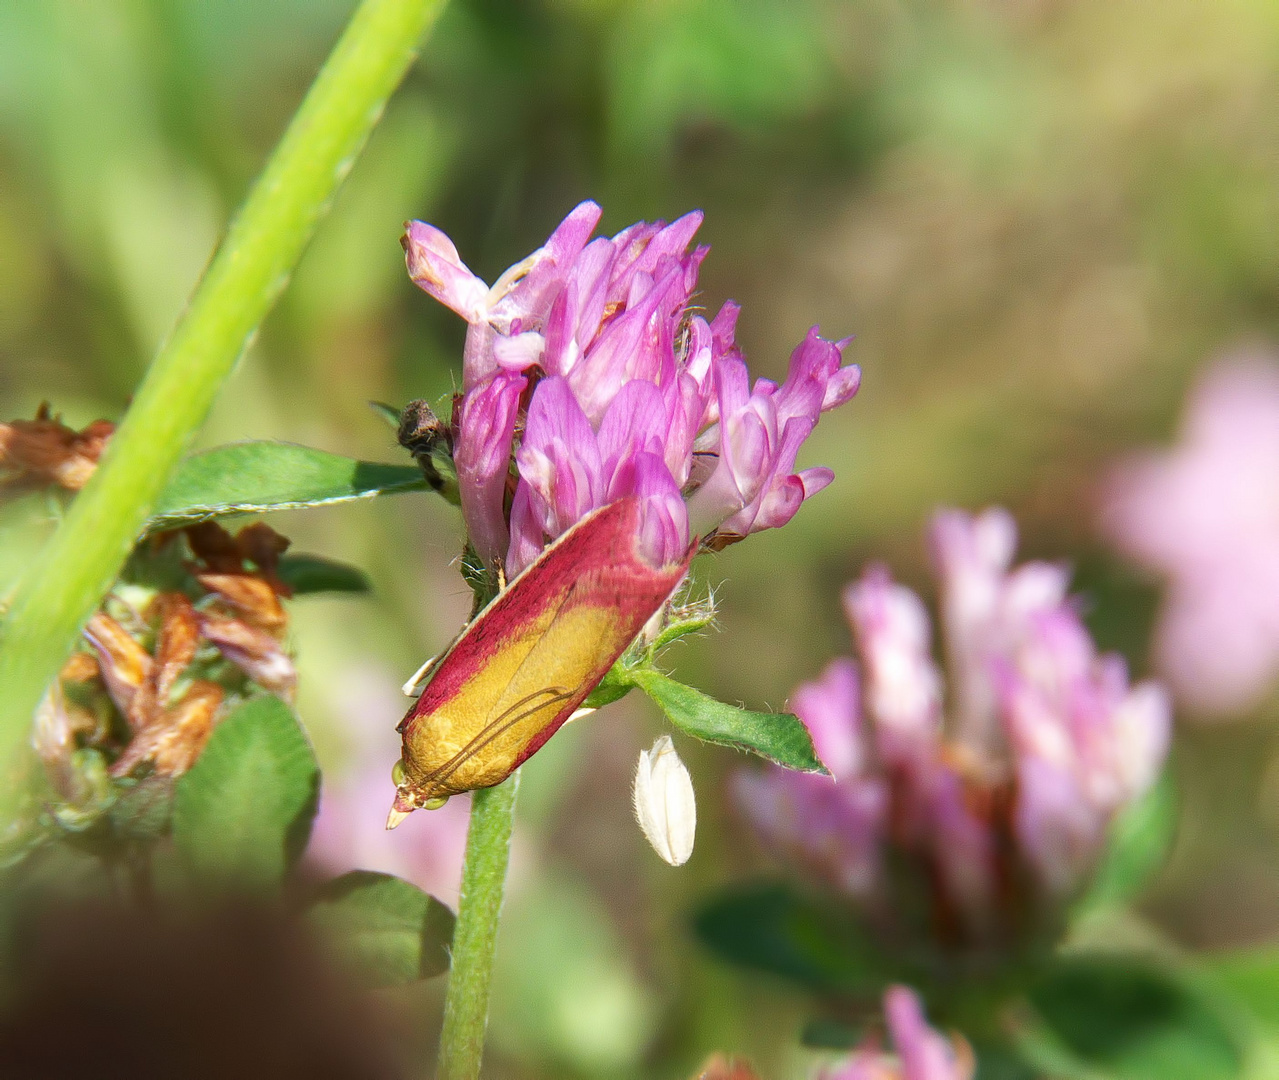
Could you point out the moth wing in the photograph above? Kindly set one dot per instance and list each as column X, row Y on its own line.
column 531, row 657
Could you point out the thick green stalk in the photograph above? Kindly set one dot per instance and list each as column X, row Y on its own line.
column 76, row 568
column 466, row 1006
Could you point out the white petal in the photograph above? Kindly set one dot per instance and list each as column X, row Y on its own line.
column 664, row 802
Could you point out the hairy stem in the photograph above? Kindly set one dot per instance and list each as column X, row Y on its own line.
column 76, row 568
column 466, row 1007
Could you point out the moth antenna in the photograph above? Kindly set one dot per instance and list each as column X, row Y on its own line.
column 502, row 723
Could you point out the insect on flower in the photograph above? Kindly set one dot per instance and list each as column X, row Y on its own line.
column 529, row 659
column 603, row 424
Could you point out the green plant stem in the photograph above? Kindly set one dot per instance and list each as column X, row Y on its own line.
column 466, row 1006
column 263, row 245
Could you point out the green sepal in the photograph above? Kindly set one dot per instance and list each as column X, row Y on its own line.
column 780, row 738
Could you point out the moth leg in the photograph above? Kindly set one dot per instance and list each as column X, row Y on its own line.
column 413, row 687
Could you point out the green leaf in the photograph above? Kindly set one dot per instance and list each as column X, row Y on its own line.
column 256, row 476
column 244, row 811
column 388, row 929
column 827, row 1033
column 1130, row 1019
column 779, row 737
column 313, row 573
column 1251, row 979
column 1247, row 982
column 144, row 809
column 773, row 929
column 1138, row 846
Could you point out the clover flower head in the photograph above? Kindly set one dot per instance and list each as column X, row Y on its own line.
column 1204, row 515
column 1033, row 746
column 922, row 1053
column 588, row 368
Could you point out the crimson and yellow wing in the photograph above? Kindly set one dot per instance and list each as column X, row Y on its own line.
column 531, row 657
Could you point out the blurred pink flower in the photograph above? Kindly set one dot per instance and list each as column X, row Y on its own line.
column 834, row 829
column 922, row 1053
column 903, row 684
column 586, row 363
column 1205, row 515
column 1045, row 741
column 350, row 830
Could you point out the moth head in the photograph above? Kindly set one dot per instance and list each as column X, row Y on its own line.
column 409, row 798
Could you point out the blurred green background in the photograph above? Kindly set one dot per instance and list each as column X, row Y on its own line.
column 1038, row 218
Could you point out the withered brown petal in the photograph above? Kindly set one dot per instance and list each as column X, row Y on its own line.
column 52, row 735
column 254, row 651
column 57, row 723
column 718, row 541
column 125, row 665
column 253, row 597
column 190, row 725
column 215, row 547
column 80, row 667
column 262, row 544
column 179, row 637
column 93, row 439
column 176, row 740
column 74, row 471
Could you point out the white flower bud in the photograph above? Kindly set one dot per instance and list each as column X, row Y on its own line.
column 664, row 803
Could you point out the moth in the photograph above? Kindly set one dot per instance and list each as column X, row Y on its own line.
column 524, row 665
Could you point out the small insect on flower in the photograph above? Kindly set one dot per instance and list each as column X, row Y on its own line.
column 664, row 802
column 526, row 663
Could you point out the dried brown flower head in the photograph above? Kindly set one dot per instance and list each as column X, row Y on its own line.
column 158, row 666
column 44, row 452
